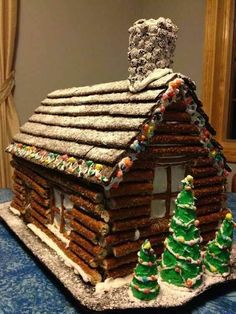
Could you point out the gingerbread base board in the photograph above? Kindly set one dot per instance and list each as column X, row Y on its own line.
column 115, row 299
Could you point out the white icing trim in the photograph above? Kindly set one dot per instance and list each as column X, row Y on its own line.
column 153, row 76
column 183, row 224
column 58, row 234
column 43, row 237
column 217, row 258
column 207, row 272
column 144, row 289
column 190, row 242
column 188, row 206
column 192, row 261
column 148, row 278
column 111, row 283
column 15, row 211
column 140, row 261
column 180, row 288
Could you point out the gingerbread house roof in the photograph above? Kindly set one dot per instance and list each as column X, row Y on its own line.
column 87, row 131
column 93, row 123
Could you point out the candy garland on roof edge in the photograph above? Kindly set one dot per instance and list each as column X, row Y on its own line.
column 181, row 263
column 177, row 90
column 69, row 164
column 217, row 256
column 144, row 285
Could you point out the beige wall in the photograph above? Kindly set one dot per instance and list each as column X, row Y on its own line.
column 189, row 16
column 64, row 43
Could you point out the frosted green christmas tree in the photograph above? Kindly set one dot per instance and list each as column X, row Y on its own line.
column 217, row 255
column 144, row 285
column 181, row 263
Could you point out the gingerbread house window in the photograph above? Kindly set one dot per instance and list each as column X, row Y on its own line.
column 165, row 189
column 61, row 215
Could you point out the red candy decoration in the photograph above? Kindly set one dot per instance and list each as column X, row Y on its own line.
column 64, row 157
column 119, row 174
column 178, row 81
column 145, row 127
column 142, row 138
column 128, row 162
column 162, row 108
column 189, row 283
column 165, row 96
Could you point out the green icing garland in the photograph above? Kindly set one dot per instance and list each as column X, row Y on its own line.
column 144, row 285
column 217, row 255
column 181, row 263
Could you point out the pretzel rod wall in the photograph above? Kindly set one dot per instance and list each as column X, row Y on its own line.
column 102, row 229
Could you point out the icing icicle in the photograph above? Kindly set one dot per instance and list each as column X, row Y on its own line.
column 217, row 256
column 181, row 263
column 144, row 285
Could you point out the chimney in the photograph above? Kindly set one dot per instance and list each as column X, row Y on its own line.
column 151, row 47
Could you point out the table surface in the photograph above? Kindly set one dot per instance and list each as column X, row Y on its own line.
column 27, row 287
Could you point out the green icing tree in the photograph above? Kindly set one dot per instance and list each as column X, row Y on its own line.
column 181, row 263
column 144, row 285
column 217, row 255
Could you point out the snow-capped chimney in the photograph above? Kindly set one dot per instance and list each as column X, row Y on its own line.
column 151, row 47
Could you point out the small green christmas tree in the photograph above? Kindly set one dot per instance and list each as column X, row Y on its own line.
column 144, row 285
column 217, row 256
column 181, row 263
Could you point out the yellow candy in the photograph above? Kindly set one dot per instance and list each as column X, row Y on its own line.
column 229, row 216
column 151, row 128
column 189, row 178
column 213, row 269
column 213, row 153
column 98, row 167
column 71, row 159
column 181, row 239
column 147, row 245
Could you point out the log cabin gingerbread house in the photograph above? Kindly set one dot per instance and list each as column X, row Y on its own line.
column 97, row 168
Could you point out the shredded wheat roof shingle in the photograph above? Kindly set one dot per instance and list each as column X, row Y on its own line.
column 129, row 109
column 95, row 122
column 54, row 145
column 85, row 136
column 112, row 87
column 124, row 97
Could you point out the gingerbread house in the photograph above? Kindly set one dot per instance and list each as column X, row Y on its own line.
column 97, row 168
